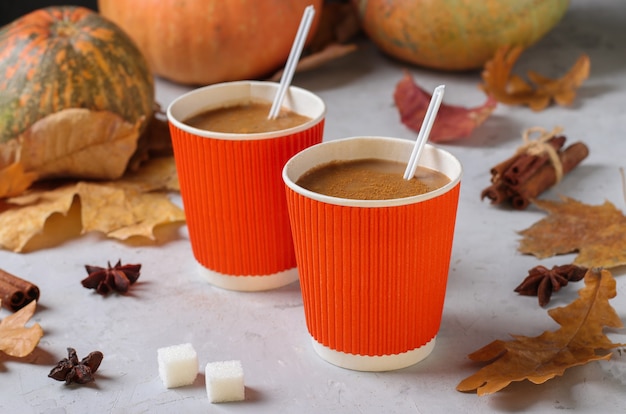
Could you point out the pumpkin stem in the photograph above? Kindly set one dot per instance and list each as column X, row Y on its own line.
column 65, row 29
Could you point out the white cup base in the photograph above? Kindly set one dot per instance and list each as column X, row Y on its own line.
column 249, row 283
column 373, row 363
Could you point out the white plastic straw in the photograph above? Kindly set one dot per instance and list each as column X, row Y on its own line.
column 422, row 136
column 292, row 60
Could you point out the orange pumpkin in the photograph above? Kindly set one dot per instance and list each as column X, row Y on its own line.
column 210, row 41
column 455, row 34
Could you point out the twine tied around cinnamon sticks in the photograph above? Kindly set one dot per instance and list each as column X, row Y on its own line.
column 15, row 292
column 536, row 166
column 540, row 146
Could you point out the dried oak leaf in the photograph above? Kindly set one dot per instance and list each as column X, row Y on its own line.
column 511, row 89
column 579, row 340
column 597, row 233
column 452, row 122
column 14, row 180
column 15, row 338
column 132, row 206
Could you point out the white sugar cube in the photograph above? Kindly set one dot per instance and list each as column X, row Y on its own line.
column 224, row 381
column 178, row 365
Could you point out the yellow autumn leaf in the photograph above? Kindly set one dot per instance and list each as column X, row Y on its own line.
column 14, row 180
column 15, row 338
column 20, row 224
column 124, row 212
column 132, row 206
column 78, row 142
column 157, row 174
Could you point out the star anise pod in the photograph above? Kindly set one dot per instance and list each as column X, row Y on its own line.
column 542, row 281
column 70, row 369
column 117, row 278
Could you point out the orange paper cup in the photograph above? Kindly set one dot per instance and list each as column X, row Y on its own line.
column 373, row 273
column 231, row 186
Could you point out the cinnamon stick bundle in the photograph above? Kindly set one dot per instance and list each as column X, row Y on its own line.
column 16, row 293
column 525, row 175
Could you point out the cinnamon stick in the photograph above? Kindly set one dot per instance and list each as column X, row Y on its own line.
column 546, row 175
column 526, row 164
column 496, row 192
column 525, row 175
column 15, row 292
column 498, row 170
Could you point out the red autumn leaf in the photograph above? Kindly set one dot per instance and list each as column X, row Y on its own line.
column 452, row 122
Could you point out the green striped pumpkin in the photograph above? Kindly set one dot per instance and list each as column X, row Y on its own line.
column 69, row 57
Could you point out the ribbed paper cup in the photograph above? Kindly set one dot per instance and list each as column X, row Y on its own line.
column 231, row 186
column 373, row 273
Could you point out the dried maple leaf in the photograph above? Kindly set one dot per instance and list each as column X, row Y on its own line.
column 19, row 224
column 122, row 213
column 597, row 233
column 120, row 209
column 579, row 340
column 14, row 180
column 15, row 338
column 67, row 142
column 157, row 174
column 154, row 142
column 511, row 89
column 452, row 122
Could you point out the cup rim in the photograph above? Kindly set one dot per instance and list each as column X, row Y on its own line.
column 456, row 164
column 247, row 136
